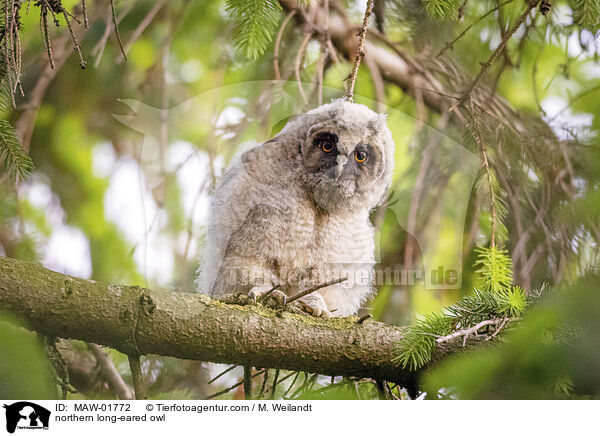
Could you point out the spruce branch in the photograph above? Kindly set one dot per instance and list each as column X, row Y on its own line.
column 463, row 319
column 255, row 22
column 13, row 156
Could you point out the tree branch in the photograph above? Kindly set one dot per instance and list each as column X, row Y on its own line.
column 138, row 321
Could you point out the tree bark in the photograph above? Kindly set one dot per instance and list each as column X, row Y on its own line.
column 140, row 321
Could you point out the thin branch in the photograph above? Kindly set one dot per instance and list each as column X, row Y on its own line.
column 315, row 288
column 77, row 47
column 274, row 387
column 222, row 373
column 289, row 16
column 467, row 332
column 298, row 63
column 377, row 83
column 116, row 26
column 139, row 30
column 360, row 51
column 450, row 44
column 230, row 388
column 264, row 385
column 248, row 382
column 500, row 327
column 85, row 15
column 292, row 384
column 363, row 318
column 98, row 49
column 117, row 385
column 499, row 50
column 137, row 376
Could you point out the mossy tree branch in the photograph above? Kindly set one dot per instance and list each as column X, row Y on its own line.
column 138, row 321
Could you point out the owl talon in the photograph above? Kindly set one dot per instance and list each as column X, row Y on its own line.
column 279, row 296
column 315, row 305
column 258, row 292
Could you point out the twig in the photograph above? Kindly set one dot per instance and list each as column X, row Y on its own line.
column 315, row 288
column 82, row 61
column 278, row 43
column 500, row 327
column 85, row 15
column 26, row 122
column 137, row 376
column 363, row 318
column 116, row 383
column 116, row 24
column 264, row 385
column 377, row 83
column 140, row 28
column 230, row 388
column 248, row 382
column 461, row 9
column 360, row 51
column 293, row 383
column 321, row 72
column 304, row 385
column 59, row 365
column 98, row 49
column 298, row 63
column 274, row 387
column 491, row 11
column 45, row 34
column 499, row 50
column 467, row 332
column 222, row 373
column 572, row 102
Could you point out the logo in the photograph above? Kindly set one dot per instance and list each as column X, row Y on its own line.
column 26, row 415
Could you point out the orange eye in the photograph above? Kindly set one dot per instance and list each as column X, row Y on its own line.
column 360, row 156
column 327, row 146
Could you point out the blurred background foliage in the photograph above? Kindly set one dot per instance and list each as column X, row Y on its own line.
column 125, row 152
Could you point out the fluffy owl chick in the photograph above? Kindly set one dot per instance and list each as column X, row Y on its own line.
column 293, row 212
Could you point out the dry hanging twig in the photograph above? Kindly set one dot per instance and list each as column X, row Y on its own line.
column 360, row 52
column 116, row 24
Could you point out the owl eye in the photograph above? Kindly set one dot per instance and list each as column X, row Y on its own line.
column 361, row 156
column 327, row 146
column 326, row 142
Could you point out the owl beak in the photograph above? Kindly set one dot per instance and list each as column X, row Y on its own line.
column 341, row 164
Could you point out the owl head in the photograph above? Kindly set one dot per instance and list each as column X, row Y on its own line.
column 345, row 155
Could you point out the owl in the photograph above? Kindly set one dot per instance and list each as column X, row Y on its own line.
column 293, row 212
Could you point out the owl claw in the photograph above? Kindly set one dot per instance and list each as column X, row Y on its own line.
column 315, row 305
column 258, row 291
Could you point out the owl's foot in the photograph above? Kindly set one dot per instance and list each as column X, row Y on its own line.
column 315, row 305
column 259, row 291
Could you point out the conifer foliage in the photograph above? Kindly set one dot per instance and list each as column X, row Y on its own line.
column 484, row 312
